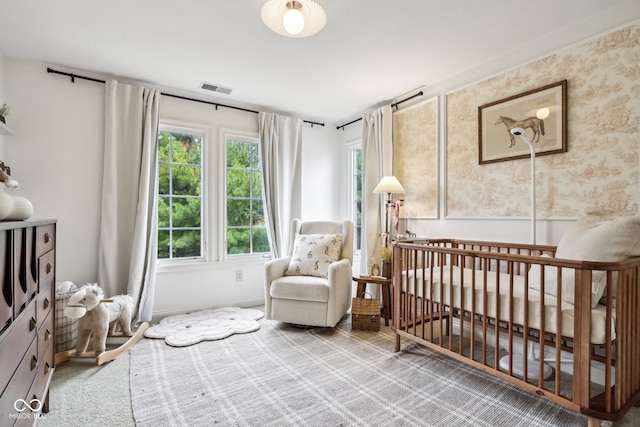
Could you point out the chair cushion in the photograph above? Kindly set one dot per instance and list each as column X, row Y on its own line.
column 301, row 288
column 312, row 254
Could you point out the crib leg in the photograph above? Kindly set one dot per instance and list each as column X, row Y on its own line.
column 398, row 344
column 593, row 422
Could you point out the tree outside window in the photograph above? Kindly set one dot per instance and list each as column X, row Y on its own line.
column 180, row 194
column 246, row 229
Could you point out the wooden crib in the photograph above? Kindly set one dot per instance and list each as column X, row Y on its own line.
column 492, row 305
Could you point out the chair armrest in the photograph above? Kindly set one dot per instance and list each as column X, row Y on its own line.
column 273, row 269
column 339, row 270
column 340, row 282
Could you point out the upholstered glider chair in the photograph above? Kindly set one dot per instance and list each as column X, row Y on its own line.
column 312, row 286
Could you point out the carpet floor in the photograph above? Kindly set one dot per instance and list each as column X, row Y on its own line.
column 280, row 376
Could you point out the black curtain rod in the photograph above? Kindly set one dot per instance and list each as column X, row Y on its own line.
column 394, row 105
column 73, row 78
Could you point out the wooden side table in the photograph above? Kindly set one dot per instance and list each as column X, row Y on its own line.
column 385, row 288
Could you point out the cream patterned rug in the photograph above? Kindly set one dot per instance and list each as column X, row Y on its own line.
column 285, row 376
column 205, row 325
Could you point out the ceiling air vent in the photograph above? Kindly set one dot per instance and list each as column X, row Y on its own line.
column 216, row 88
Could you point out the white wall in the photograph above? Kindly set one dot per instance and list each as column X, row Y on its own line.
column 322, row 175
column 57, row 155
column 1, row 101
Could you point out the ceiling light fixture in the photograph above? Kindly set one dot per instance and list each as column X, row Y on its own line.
column 293, row 18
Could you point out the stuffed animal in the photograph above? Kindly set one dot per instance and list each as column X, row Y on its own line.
column 4, row 177
column 97, row 318
column 12, row 207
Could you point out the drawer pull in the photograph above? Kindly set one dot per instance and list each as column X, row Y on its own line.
column 46, row 303
column 47, row 335
column 49, row 268
column 47, row 237
column 32, row 324
column 34, row 362
column 47, row 368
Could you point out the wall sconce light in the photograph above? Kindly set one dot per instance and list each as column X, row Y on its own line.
column 388, row 185
column 294, row 18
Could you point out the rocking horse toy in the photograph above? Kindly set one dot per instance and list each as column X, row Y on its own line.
column 98, row 318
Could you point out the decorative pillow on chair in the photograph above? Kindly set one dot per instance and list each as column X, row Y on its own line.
column 598, row 239
column 312, row 254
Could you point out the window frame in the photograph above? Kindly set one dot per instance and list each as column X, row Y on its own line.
column 204, row 133
column 225, row 134
column 352, row 148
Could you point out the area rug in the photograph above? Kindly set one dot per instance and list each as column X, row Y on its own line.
column 205, row 325
column 281, row 376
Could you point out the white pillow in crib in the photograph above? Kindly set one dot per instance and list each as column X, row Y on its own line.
column 312, row 254
column 568, row 282
column 597, row 239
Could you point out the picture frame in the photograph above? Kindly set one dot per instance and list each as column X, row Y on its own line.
column 541, row 112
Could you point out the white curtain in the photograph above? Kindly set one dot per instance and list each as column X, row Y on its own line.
column 128, row 229
column 377, row 155
column 281, row 154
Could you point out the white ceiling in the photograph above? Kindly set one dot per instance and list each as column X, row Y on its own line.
column 370, row 50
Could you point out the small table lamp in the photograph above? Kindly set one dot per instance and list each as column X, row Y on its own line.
column 388, row 185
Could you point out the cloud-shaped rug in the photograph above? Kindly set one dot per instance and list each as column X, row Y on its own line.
column 205, row 325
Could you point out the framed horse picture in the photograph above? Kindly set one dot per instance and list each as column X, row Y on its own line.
column 541, row 113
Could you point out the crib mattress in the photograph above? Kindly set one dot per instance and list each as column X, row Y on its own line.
column 464, row 296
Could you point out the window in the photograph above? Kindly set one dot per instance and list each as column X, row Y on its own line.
column 180, row 193
column 356, row 193
column 246, row 229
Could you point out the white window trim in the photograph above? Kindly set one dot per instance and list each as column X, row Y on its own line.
column 352, row 145
column 222, row 242
column 205, row 131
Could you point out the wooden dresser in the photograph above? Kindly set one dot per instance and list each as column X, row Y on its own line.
column 27, row 279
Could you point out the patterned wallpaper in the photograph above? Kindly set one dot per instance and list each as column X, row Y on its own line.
column 598, row 174
column 415, row 158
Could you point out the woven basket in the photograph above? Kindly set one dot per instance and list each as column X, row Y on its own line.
column 365, row 313
column 66, row 328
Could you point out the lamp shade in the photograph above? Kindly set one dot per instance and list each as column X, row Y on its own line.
column 389, row 184
column 293, row 18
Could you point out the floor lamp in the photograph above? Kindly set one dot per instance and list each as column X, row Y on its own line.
column 388, row 185
column 533, row 369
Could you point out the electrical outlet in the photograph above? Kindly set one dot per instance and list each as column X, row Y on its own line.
column 239, row 276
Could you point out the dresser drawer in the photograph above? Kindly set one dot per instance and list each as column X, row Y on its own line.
column 16, row 340
column 45, row 238
column 46, row 270
column 44, row 302
column 40, row 387
column 21, row 382
column 45, row 336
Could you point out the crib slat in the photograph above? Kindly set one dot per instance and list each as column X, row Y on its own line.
column 496, row 345
column 485, row 301
column 472, row 346
column 558, row 331
column 542, row 318
column 511, row 325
